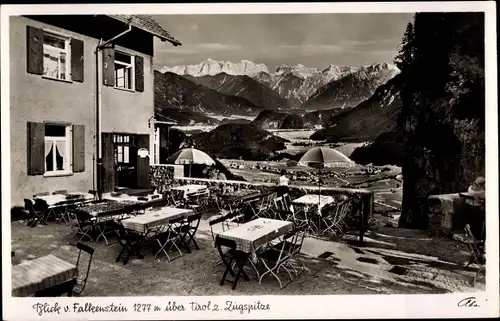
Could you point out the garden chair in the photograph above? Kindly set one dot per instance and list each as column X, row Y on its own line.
column 169, row 237
column 231, row 258
column 213, row 221
column 36, row 216
column 58, row 289
column 188, row 230
column 275, row 258
column 477, row 253
column 94, row 193
column 335, row 217
column 81, row 224
column 131, row 243
column 81, row 282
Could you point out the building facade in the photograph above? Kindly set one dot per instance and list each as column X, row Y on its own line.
column 58, row 83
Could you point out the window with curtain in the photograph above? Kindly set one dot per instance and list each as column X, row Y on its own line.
column 56, row 56
column 57, row 149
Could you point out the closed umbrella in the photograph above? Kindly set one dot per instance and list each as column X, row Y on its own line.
column 190, row 156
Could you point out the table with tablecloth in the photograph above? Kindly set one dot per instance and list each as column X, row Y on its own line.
column 314, row 200
column 251, row 235
column 185, row 190
column 155, row 218
column 35, row 275
column 57, row 202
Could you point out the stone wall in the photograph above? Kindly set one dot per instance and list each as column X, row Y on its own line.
column 446, row 212
column 162, row 178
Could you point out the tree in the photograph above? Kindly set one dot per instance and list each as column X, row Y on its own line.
column 406, row 53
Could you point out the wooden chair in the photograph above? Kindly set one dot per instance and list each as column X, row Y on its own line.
column 230, row 258
column 36, row 216
column 131, row 243
column 80, row 224
column 477, row 253
column 188, row 230
column 81, row 282
column 170, row 237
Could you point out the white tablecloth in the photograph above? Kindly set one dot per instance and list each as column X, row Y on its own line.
column 61, row 199
column 190, row 189
column 251, row 235
column 314, row 199
column 142, row 223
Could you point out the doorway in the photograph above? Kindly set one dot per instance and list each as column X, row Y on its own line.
column 125, row 156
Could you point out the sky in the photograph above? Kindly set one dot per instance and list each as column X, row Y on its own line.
column 313, row 40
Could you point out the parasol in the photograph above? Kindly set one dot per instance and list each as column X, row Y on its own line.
column 190, row 156
column 320, row 157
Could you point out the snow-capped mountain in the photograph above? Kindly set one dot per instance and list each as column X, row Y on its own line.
column 211, row 67
column 351, row 89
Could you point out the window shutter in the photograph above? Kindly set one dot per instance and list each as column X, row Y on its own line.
column 34, row 50
column 108, row 66
column 78, row 148
column 77, row 60
column 108, row 163
column 36, row 148
column 139, row 73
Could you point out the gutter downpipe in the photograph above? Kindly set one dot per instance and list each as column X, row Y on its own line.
column 99, row 166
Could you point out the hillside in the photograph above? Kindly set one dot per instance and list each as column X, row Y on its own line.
column 237, row 141
column 369, row 119
column 243, row 86
column 269, row 119
column 351, row 89
column 177, row 91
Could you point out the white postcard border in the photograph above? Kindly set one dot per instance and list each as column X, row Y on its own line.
column 338, row 306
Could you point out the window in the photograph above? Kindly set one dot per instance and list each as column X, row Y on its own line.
column 57, row 149
column 124, row 71
column 56, row 56
column 122, row 144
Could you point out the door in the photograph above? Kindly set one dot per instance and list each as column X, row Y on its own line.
column 125, row 153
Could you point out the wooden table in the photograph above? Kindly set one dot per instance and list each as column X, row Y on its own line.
column 250, row 236
column 32, row 276
column 154, row 218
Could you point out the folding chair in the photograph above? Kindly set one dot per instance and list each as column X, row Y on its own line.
column 130, row 241
column 94, row 193
column 35, row 215
column 170, row 236
column 230, row 258
column 58, row 289
column 477, row 254
column 293, row 245
column 188, row 231
column 275, row 258
column 81, row 224
column 82, row 281
column 334, row 219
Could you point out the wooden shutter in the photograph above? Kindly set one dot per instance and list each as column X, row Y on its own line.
column 108, row 163
column 108, row 66
column 78, row 148
column 36, row 148
column 139, row 73
column 34, row 50
column 77, row 60
column 142, row 141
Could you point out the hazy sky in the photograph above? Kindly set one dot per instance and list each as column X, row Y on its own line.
column 314, row 40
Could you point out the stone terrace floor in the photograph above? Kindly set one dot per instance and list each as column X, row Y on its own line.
column 391, row 261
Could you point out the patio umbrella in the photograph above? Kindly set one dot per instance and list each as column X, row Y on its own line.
column 190, row 156
column 320, row 157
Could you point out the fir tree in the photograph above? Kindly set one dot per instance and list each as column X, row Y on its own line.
column 406, row 53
